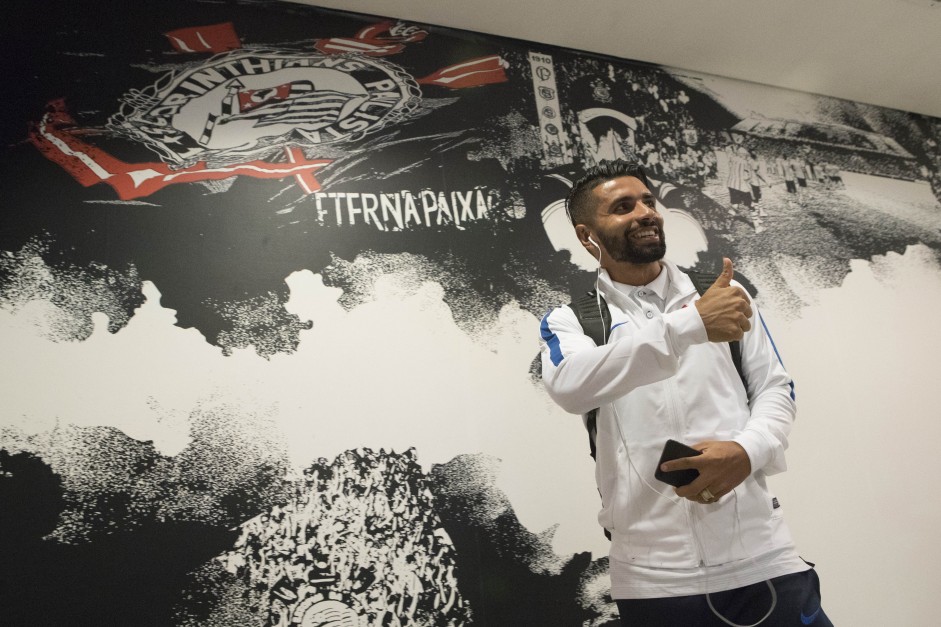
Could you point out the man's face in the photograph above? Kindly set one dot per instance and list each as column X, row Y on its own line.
column 627, row 223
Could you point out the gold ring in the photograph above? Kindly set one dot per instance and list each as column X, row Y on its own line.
column 707, row 496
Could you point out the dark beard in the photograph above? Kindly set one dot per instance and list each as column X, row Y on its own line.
column 627, row 250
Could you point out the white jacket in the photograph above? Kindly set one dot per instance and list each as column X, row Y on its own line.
column 658, row 378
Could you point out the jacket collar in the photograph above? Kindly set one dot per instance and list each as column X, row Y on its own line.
column 679, row 286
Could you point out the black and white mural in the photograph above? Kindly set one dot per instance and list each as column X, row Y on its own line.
column 270, row 283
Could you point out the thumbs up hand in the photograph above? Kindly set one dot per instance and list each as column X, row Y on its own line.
column 724, row 309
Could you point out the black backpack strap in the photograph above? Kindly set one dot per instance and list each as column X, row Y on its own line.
column 591, row 424
column 736, row 349
column 591, row 309
column 703, row 282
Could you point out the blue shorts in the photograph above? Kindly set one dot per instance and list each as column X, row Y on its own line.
column 798, row 604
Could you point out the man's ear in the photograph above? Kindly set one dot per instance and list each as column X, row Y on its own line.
column 583, row 236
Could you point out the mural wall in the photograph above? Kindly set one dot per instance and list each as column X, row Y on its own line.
column 270, row 285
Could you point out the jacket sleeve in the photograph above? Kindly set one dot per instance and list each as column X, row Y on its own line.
column 771, row 400
column 580, row 376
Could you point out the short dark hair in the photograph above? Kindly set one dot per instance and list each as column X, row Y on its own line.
column 579, row 205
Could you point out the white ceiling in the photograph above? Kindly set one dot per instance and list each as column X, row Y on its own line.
column 882, row 52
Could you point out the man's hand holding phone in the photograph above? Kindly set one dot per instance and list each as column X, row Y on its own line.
column 721, row 467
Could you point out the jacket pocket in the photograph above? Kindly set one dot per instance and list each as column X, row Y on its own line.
column 740, row 526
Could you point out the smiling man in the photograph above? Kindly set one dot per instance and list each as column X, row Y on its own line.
column 715, row 551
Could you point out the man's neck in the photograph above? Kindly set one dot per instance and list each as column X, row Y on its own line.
column 633, row 273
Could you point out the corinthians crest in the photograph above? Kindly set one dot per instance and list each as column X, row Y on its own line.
column 247, row 104
column 261, row 112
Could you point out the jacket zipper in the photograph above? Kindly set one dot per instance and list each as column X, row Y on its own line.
column 676, row 426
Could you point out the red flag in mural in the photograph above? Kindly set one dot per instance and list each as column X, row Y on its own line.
column 339, row 45
column 90, row 165
column 212, row 38
column 397, row 31
column 377, row 40
column 471, row 73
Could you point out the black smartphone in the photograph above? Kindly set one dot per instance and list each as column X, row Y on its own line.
column 675, row 450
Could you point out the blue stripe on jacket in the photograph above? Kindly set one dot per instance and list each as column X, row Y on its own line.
column 776, row 353
column 551, row 340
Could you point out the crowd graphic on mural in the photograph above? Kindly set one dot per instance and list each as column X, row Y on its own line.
column 360, row 539
column 150, row 177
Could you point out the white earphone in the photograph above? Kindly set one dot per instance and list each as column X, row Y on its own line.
column 597, row 247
